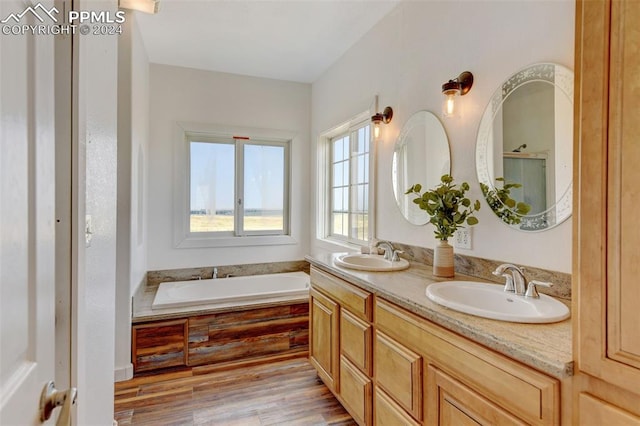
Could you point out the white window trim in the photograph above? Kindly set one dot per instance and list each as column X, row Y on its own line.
column 323, row 183
column 182, row 237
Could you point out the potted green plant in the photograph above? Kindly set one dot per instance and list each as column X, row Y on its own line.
column 449, row 209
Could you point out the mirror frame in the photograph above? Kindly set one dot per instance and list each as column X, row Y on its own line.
column 416, row 216
column 562, row 78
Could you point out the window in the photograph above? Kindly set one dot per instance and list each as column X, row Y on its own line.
column 237, row 186
column 348, row 183
column 232, row 191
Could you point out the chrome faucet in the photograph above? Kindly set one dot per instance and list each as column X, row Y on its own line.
column 516, row 282
column 215, row 273
column 389, row 252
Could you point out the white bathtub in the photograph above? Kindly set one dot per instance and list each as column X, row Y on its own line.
column 242, row 290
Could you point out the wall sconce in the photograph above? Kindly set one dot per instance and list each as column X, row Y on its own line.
column 146, row 6
column 384, row 117
column 459, row 86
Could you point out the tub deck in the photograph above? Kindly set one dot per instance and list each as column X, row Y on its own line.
column 143, row 300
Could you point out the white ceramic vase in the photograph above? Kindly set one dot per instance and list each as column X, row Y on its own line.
column 443, row 260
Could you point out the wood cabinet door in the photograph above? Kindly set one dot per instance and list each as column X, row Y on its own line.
column 451, row 403
column 356, row 391
column 598, row 412
column 388, row 413
column 324, row 338
column 606, row 235
column 398, row 371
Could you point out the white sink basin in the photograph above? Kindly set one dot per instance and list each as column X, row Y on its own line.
column 489, row 301
column 370, row 262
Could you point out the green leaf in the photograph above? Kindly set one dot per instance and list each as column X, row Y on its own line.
column 472, row 221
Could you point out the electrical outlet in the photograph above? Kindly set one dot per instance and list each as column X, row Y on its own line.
column 462, row 238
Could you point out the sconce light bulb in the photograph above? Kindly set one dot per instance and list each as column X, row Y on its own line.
column 376, row 130
column 449, row 105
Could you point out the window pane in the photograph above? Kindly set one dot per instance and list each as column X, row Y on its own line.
column 263, row 187
column 363, row 139
column 338, row 174
column 346, row 147
column 212, row 192
column 361, row 198
column 340, row 149
column 358, row 226
column 361, row 165
column 336, row 202
column 340, row 224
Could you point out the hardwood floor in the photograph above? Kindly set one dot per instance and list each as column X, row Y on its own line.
column 279, row 393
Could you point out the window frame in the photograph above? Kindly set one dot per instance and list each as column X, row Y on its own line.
column 325, row 185
column 184, row 134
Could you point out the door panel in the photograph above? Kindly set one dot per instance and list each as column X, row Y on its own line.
column 324, row 341
column 26, row 219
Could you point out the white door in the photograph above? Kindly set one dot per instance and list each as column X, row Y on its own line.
column 26, row 216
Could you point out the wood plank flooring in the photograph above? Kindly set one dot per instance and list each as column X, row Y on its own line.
column 278, row 393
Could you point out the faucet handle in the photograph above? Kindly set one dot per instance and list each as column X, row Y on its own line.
column 531, row 288
column 395, row 257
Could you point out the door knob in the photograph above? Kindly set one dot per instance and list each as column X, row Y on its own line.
column 52, row 398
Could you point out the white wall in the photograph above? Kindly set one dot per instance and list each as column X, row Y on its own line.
column 406, row 58
column 189, row 95
column 133, row 124
column 95, row 288
column 139, row 156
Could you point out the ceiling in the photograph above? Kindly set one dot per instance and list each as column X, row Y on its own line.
column 294, row 40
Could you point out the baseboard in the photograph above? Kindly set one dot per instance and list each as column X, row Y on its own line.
column 124, row 373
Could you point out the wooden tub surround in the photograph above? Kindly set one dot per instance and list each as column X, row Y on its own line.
column 222, row 339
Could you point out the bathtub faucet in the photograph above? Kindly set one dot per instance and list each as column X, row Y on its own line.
column 215, row 273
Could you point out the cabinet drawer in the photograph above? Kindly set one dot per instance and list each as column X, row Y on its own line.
column 595, row 411
column 388, row 413
column 358, row 301
column 398, row 371
column 484, row 371
column 356, row 392
column 355, row 341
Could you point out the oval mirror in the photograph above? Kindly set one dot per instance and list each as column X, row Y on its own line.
column 421, row 155
column 524, row 148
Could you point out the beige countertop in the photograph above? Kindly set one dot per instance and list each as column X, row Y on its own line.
column 545, row 347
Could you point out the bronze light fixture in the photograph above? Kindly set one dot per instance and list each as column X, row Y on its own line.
column 459, row 86
column 383, row 117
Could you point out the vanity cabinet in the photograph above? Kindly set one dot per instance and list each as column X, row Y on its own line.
column 468, row 378
column 341, row 342
column 394, row 367
column 607, row 196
